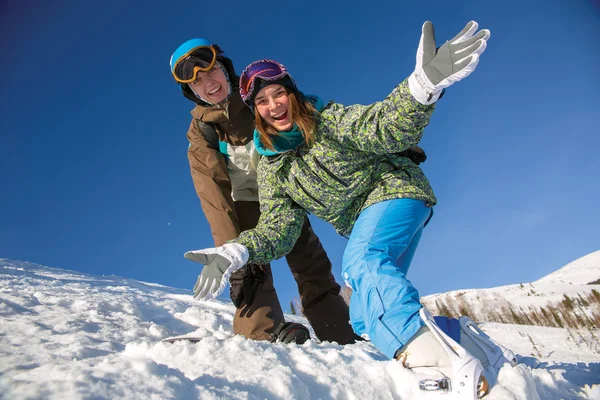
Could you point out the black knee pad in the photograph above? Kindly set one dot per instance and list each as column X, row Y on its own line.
column 243, row 284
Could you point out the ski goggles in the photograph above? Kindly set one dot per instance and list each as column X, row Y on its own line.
column 267, row 70
column 202, row 58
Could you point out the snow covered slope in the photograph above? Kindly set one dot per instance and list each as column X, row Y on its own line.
column 491, row 304
column 580, row 272
column 66, row 335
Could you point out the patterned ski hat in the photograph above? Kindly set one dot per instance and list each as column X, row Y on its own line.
column 260, row 74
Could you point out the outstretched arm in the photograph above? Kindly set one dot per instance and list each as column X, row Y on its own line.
column 275, row 235
column 389, row 126
column 396, row 123
column 280, row 220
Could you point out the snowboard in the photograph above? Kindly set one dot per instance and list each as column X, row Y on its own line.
column 173, row 339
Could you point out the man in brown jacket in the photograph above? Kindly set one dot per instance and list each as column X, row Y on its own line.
column 222, row 163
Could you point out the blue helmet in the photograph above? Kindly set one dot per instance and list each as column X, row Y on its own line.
column 184, row 49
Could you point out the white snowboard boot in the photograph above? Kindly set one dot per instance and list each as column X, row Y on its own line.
column 443, row 363
column 491, row 354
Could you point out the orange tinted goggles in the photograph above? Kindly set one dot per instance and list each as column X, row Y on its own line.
column 199, row 59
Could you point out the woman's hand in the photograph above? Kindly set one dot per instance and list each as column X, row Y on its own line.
column 437, row 69
column 219, row 264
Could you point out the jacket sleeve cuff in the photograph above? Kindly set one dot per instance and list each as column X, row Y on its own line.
column 420, row 92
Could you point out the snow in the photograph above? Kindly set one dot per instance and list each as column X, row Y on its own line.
column 70, row 335
column 571, row 280
column 580, row 272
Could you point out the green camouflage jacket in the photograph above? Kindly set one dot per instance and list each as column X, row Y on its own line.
column 353, row 164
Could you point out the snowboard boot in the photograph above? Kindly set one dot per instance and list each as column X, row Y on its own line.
column 290, row 332
column 442, row 364
column 491, row 354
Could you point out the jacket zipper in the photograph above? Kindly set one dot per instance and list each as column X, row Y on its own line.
column 308, row 194
column 331, row 174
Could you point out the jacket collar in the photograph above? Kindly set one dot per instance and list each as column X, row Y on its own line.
column 232, row 120
column 233, row 106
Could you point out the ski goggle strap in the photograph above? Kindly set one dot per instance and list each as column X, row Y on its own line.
column 267, row 70
column 200, row 58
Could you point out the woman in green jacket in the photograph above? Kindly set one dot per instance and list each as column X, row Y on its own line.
column 346, row 166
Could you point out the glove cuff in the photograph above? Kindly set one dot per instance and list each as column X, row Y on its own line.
column 239, row 255
column 421, row 89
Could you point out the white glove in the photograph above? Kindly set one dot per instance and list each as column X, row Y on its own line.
column 437, row 69
column 219, row 264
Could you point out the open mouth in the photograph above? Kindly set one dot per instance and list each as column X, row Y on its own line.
column 214, row 91
column 280, row 117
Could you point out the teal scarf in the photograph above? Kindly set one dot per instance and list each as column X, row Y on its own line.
column 286, row 140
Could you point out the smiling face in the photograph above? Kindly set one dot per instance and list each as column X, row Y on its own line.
column 273, row 104
column 211, row 86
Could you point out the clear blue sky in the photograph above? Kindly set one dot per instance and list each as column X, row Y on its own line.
column 93, row 168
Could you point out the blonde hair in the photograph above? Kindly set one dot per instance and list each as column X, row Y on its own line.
column 303, row 115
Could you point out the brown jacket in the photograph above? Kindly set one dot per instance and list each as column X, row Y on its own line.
column 234, row 124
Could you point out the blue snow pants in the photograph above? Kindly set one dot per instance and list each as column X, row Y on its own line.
column 384, row 304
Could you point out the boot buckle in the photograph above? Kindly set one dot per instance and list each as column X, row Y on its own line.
column 431, row 385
